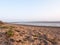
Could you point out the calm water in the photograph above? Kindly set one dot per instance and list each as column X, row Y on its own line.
column 41, row 24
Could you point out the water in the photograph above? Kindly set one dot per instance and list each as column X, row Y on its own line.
column 41, row 24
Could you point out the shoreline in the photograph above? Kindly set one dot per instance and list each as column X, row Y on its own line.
column 34, row 25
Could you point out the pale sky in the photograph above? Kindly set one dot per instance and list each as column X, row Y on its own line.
column 29, row 10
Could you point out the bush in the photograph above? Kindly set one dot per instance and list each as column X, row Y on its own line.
column 9, row 33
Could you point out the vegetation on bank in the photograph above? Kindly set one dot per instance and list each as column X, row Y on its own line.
column 10, row 32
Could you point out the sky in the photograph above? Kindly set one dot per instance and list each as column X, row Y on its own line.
column 29, row 10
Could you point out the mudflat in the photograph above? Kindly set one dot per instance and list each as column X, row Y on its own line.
column 13, row 34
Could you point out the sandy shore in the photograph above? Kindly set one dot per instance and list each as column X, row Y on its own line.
column 29, row 35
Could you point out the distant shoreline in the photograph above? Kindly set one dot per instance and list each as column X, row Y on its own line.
column 38, row 22
column 33, row 25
